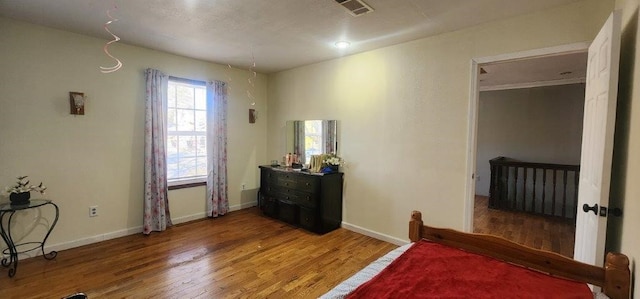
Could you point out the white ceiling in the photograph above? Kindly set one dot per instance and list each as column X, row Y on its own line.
column 535, row 72
column 275, row 34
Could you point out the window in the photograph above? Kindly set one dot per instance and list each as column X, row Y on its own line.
column 312, row 139
column 186, row 132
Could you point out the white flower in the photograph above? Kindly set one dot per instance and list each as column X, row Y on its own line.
column 22, row 185
column 333, row 159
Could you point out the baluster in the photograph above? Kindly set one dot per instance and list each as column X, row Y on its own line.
column 564, row 194
column 553, row 199
column 507, row 204
column 524, row 189
column 515, row 188
column 533, row 197
column 492, row 186
column 499, row 187
column 544, row 189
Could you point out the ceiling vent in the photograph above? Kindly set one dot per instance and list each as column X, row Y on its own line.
column 355, row 7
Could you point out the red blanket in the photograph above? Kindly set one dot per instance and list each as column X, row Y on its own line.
column 431, row 270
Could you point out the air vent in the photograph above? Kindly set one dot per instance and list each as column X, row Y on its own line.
column 355, row 7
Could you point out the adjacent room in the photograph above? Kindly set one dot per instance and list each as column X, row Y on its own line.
column 530, row 117
column 280, row 149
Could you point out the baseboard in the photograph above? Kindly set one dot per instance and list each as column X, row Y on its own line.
column 243, row 206
column 204, row 215
column 89, row 240
column 374, row 234
column 124, row 232
column 188, row 218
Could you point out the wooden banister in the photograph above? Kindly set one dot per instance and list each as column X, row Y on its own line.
column 538, row 188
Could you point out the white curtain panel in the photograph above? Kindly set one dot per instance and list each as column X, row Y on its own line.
column 217, row 199
column 156, row 204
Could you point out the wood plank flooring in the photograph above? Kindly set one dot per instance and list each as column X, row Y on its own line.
column 539, row 232
column 240, row 255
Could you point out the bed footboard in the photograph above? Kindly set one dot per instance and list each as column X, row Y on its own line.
column 614, row 277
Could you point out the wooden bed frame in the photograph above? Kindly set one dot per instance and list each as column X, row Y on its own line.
column 614, row 277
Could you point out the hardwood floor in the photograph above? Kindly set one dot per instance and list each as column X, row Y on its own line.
column 240, row 255
column 531, row 230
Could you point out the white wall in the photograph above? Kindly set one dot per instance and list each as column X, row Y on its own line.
column 542, row 125
column 403, row 113
column 97, row 159
column 622, row 234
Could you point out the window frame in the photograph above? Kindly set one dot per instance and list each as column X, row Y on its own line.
column 181, row 183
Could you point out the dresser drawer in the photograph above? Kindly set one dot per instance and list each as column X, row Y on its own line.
column 269, row 190
column 307, row 184
column 285, row 179
column 298, row 197
column 284, row 182
column 306, row 199
column 269, row 205
column 297, row 181
column 268, row 182
column 308, row 218
column 287, row 212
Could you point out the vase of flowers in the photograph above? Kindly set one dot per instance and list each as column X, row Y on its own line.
column 20, row 192
column 331, row 163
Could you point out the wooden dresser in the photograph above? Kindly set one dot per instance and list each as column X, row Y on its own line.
column 310, row 201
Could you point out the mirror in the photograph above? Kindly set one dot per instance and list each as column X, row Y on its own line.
column 311, row 137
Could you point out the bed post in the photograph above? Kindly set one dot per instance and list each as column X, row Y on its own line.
column 617, row 277
column 415, row 226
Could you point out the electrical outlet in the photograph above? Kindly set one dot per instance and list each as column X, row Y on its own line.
column 93, row 211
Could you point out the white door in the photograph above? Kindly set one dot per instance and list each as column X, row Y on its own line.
column 597, row 142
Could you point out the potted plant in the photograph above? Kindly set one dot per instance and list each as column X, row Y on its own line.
column 331, row 163
column 20, row 192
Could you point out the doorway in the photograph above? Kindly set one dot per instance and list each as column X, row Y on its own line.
column 529, row 75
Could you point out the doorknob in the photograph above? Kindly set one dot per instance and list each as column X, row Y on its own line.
column 594, row 209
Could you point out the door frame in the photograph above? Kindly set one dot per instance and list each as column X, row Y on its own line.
column 474, row 98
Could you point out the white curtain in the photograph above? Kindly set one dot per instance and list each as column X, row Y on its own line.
column 329, row 129
column 299, row 140
column 217, row 200
column 156, row 204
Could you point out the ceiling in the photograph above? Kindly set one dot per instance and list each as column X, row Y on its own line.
column 274, row 34
column 534, row 72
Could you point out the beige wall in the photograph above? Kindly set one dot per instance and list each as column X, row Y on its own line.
column 542, row 124
column 403, row 113
column 97, row 159
column 623, row 234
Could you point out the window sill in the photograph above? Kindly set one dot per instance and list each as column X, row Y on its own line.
column 188, row 184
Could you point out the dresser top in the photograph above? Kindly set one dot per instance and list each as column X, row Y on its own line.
column 291, row 170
